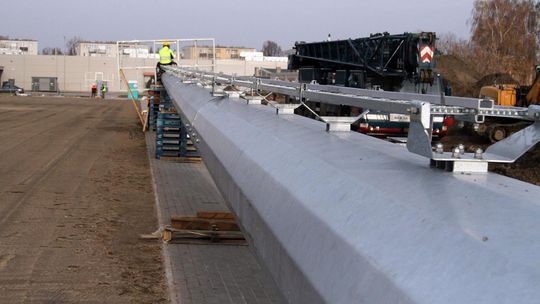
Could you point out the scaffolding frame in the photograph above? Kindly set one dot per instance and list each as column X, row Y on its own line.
column 155, row 42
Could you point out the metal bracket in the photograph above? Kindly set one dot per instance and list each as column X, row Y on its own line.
column 507, row 150
column 514, row 146
column 459, row 161
column 281, row 108
column 340, row 123
column 419, row 142
column 253, row 100
column 285, row 108
column 301, row 98
column 217, row 90
column 232, row 94
column 534, row 112
column 420, row 129
column 461, row 166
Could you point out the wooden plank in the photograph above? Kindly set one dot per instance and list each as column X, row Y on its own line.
column 145, row 119
column 195, row 223
column 215, row 215
column 188, row 160
column 182, row 159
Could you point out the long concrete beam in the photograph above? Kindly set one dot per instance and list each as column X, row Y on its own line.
column 347, row 218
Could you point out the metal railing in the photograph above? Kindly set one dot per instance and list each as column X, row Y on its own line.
column 154, row 44
column 420, row 107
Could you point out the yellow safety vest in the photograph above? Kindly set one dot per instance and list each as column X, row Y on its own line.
column 165, row 55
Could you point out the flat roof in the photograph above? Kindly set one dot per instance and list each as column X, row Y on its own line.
column 25, row 40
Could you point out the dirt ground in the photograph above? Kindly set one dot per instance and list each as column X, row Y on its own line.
column 75, row 194
column 526, row 168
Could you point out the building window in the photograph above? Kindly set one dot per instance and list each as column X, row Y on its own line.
column 24, row 49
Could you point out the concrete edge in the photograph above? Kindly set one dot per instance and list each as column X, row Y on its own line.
column 165, row 253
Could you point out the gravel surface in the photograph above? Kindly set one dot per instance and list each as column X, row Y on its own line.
column 75, row 195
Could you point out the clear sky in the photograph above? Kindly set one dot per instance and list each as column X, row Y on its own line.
column 235, row 22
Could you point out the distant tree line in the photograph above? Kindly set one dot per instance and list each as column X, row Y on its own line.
column 504, row 38
column 70, row 48
column 71, row 45
column 271, row 48
column 52, row 51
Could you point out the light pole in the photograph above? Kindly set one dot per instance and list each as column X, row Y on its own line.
column 56, row 66
column 64, row 67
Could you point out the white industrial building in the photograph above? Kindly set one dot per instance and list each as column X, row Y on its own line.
column 96, row 49
column 99, row 61
column 111, row 49
column 18, row 47
column 258, row 56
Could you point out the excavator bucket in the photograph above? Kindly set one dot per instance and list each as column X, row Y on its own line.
column 533, row 97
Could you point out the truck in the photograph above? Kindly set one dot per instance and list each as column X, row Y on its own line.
column 403, row 62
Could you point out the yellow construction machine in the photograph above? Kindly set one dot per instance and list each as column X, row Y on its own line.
column 510, row 95
column 502, row 94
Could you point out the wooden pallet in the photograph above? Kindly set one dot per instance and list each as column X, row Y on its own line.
column 205, row 228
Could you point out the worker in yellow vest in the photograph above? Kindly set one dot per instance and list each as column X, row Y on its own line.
column 103, row 90
column 166, row 56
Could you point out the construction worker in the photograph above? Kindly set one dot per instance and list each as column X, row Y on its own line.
column 93, row 89
column 103, row 90
column 166, row 56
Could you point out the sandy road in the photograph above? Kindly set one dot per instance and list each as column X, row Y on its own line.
column 75, row 193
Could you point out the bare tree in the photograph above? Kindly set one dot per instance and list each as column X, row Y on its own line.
column 271, row 48
column 447, row 42
column 52, row 51
column 4, row 37
column 450, row 44
column 71, row 45
column 505, row 37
